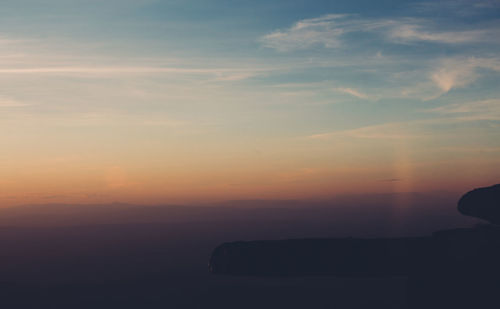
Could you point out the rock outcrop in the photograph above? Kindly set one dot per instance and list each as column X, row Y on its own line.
column 483, row 203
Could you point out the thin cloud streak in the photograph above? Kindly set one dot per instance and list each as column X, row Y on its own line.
column 129, row 70
column 457, row 114
column 414, row 33
column 477, row 110
column 8, row 102
column 353, row 92
column 330, row 31
column 382, row 131
column 390, row 180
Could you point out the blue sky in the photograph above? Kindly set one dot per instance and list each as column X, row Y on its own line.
column 302, row 88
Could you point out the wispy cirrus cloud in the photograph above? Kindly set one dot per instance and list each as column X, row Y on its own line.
column 323, row 31
column 221, row 74
column 393, row 131
column 353, row 92
column 47, row 58
column 451, row 117
column 416, row 32
column 452, row 76
column 436, row 77
column 331, row 31
column 89, row 119
column 477, row 110
column 459, row 72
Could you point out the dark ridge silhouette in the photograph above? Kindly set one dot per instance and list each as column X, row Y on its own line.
column 329, row 256
column 483, row 203
column 456, row 268
column 466, row 250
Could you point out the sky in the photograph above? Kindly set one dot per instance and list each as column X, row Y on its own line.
column 150, row 101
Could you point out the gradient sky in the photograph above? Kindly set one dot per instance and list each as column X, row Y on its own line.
column 150, row 101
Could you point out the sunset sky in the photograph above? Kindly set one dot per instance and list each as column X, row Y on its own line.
column 182, row 101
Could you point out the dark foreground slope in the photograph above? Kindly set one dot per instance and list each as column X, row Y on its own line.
column 126, row 256
column 162, row 266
